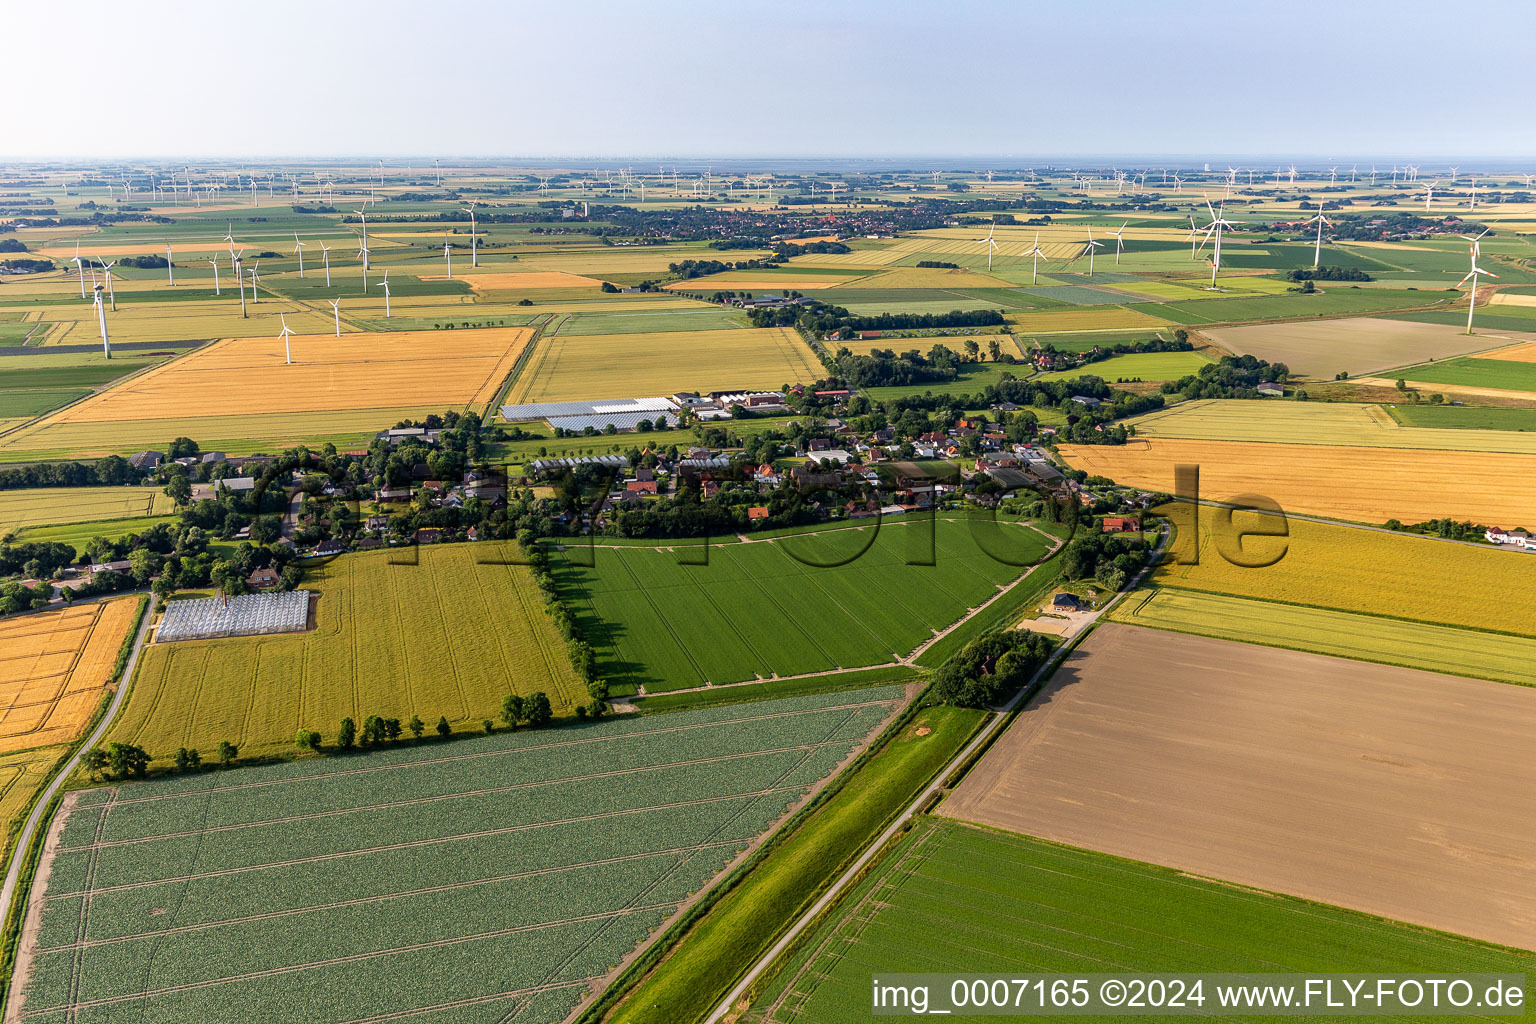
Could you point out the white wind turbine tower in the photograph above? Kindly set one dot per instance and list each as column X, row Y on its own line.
column 287, row 350
column 325, row 254
column 1429, row 193
column 989, row 243
column 229, row 236
column 111, row 293
column 362, row 249
column 474, row 252
column 1454, row 169
column 239, row 280
column 1473, row 193
column 386, row 295
column 1092, row 247
column 1476, row 250
column 255, row 273
column 1293, row 177
column 1119, row 242
column 170, row 268
column 336, row 314
column 1216, row 226
column 1317, row 253
column 448, row 256
column 1333, row 174
column 1036, row 252
column 101, row 317
column 1194, row 233
column 80, row 268
column 362, row 254
column 438, row 167
column 298, row 247
column 253, row 191
column 213, row 261
column 1354, row 169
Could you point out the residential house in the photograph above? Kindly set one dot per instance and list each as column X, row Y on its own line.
column 263, row 579
column 146, row 460
column 1122, row 524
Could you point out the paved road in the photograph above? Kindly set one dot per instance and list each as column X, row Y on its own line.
column 24, row 839
column 847, row 878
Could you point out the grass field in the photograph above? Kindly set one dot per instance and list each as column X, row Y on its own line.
column 1366, row 571
column 1321, row 423
column 1356, row 345
column 1461, row 652
column 474, row 880
column 758, row 610
column 1373, row 787
column 1361, row 485
column 576, row 368
column 1505, row 374
column 1332, row 302
column 1153, row 366
column 1464, row 417
column 449, row 636
column 31, row 507
column 686, row 986
column 54, row 668
column 972, row 379
column 953, row 895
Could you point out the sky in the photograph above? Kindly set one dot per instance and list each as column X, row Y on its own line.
column 1020, row 81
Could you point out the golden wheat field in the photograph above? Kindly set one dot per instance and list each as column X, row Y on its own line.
column 430, row 631
column 1368, row 485
column 44, row 506
column 190, row 320
column 1355, row 570
column 521, row 281
column 53, row 668
column 639, row 365
column 758, row 279
column 1525, row 352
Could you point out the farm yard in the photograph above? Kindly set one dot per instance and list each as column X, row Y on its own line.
column 54, row 669
column 437, row 631
column 574, row 368
column 1345, row 482
column 953, row 892
column 506, row 874
column 789, row 606
column 1370, row 787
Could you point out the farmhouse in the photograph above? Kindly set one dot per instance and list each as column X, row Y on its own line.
column 1086, row 402
column 1067, row 603
column 1122, row 524
column 263, row 579
column 1269, row 389
column 146, row 460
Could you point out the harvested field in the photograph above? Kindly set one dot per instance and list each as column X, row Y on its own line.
column 1368, row 571
column 1524, row 352
column 448, row 634
column 45, row 506
column 1321, row 423
column 522, row 281
column 1358, row 345
column 1395, row 792
column 1460, row 652
column 1455, row 391
column 54, row 668
column 575, row 368
column 496, row 877
column 950, row 895
column 1368, row 485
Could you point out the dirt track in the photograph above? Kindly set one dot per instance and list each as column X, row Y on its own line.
column 1401, row 793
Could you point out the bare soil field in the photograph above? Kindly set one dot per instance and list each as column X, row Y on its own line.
column 1396, row 792
column 1356, row 345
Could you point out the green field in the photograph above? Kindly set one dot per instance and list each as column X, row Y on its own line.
column 1499, row 319
column 36, row 401
column 1464, row 417
column 589, row 324
column 32, row 507
column 78, row 535
column 972, row 379
column 1459, row 652
column 737, row 930
column 1334, row 301
column 759, row 610
column 1506, row 374
column 953, row 897
column 430, row 631
column 1154, row 366
column 496, row 876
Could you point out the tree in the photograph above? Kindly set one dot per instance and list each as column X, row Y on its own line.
column 95, row 762
column 178, row 489
column 490, row 726
column 972, row 350
column 127, row 759
column 392, row 728
column 417, row 726
column 306, row 740
column 995, row 348
column 346, row 736
column 536, row 709
column 443, row 728
column 373, row 731
column 183, row 760
column 228, row 752
column 512, row 710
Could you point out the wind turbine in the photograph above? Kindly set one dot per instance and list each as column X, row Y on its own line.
column 298, row 247
column 362, row 252
column 1429, row 193
column 101, row 316
column 1119, row 242
column 213, row 261
column 287, row 350
column 336, row 314
column 474, row 253
column 1453, row 174
column 170, row 268
column 325, row 253
column 386, row 295
column 1194, row 233
column 240, row 282
column 989, row 243
column 1333, row 174
column 255, row 268
column 448, row 256
column 1036, row 252
column 80, row 268
column 111, row 293
column 1216, row 226
column 229, row 237
column 1317, row 253
column 1473, row 276
column 1092, row 247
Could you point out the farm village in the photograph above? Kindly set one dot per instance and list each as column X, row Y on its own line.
column 570, row 591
